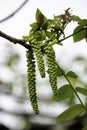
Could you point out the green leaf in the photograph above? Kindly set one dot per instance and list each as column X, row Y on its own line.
column 25, row 38
column 75, row 18
column 80, row 58
column 72, row 74
column 82, row 90
column 63, row 93
column 70, row 113
column 56, row 22
column 45, row 25
column 59, row 72
column 40, row 18
column 59, row 43
column 50, row 35
column 55, row 41
column 12, row 60
column 83, row 22
column 34, row 26
column 50, row 23
column 40, row 35
column 80, row 33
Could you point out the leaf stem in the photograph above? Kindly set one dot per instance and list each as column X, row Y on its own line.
column 84, row 28
column 71, row 87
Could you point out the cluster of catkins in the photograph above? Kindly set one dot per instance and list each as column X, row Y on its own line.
column 35, row 56
column 43, row 34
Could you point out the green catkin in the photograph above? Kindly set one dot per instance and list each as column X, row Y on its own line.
column 36, row 46
column 32, row 80
column 50, row 54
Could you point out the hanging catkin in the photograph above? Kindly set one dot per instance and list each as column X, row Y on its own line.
column 32, row 80
column 50, row 54
column 36, row 47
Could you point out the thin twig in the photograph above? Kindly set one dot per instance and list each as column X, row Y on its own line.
column 84, row 28
column 14, row 40
column 73, row 34
column 14, row 12
column 71, row 86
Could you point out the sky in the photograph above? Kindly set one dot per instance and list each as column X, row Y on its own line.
column 19, row 24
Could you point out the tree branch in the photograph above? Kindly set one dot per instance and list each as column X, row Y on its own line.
column 14, row 40
column 21, row 42
column 14, row 12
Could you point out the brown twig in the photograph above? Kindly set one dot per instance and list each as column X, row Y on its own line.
column 23, row 43
column 14, row 40
column 14, row 12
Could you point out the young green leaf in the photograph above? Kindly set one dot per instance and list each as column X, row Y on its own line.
column 80, row 33
column 82, row 90
column 40, row 18
column 50, row 35
column 72, row 74
column 70, row 113
column 34, row 26
column 83, row 22
column 75, row 18
column 45, row 25
column 63, row 93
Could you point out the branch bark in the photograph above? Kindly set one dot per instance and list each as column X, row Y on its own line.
column 24, row 44
column 14, row 40
column 14, row 12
